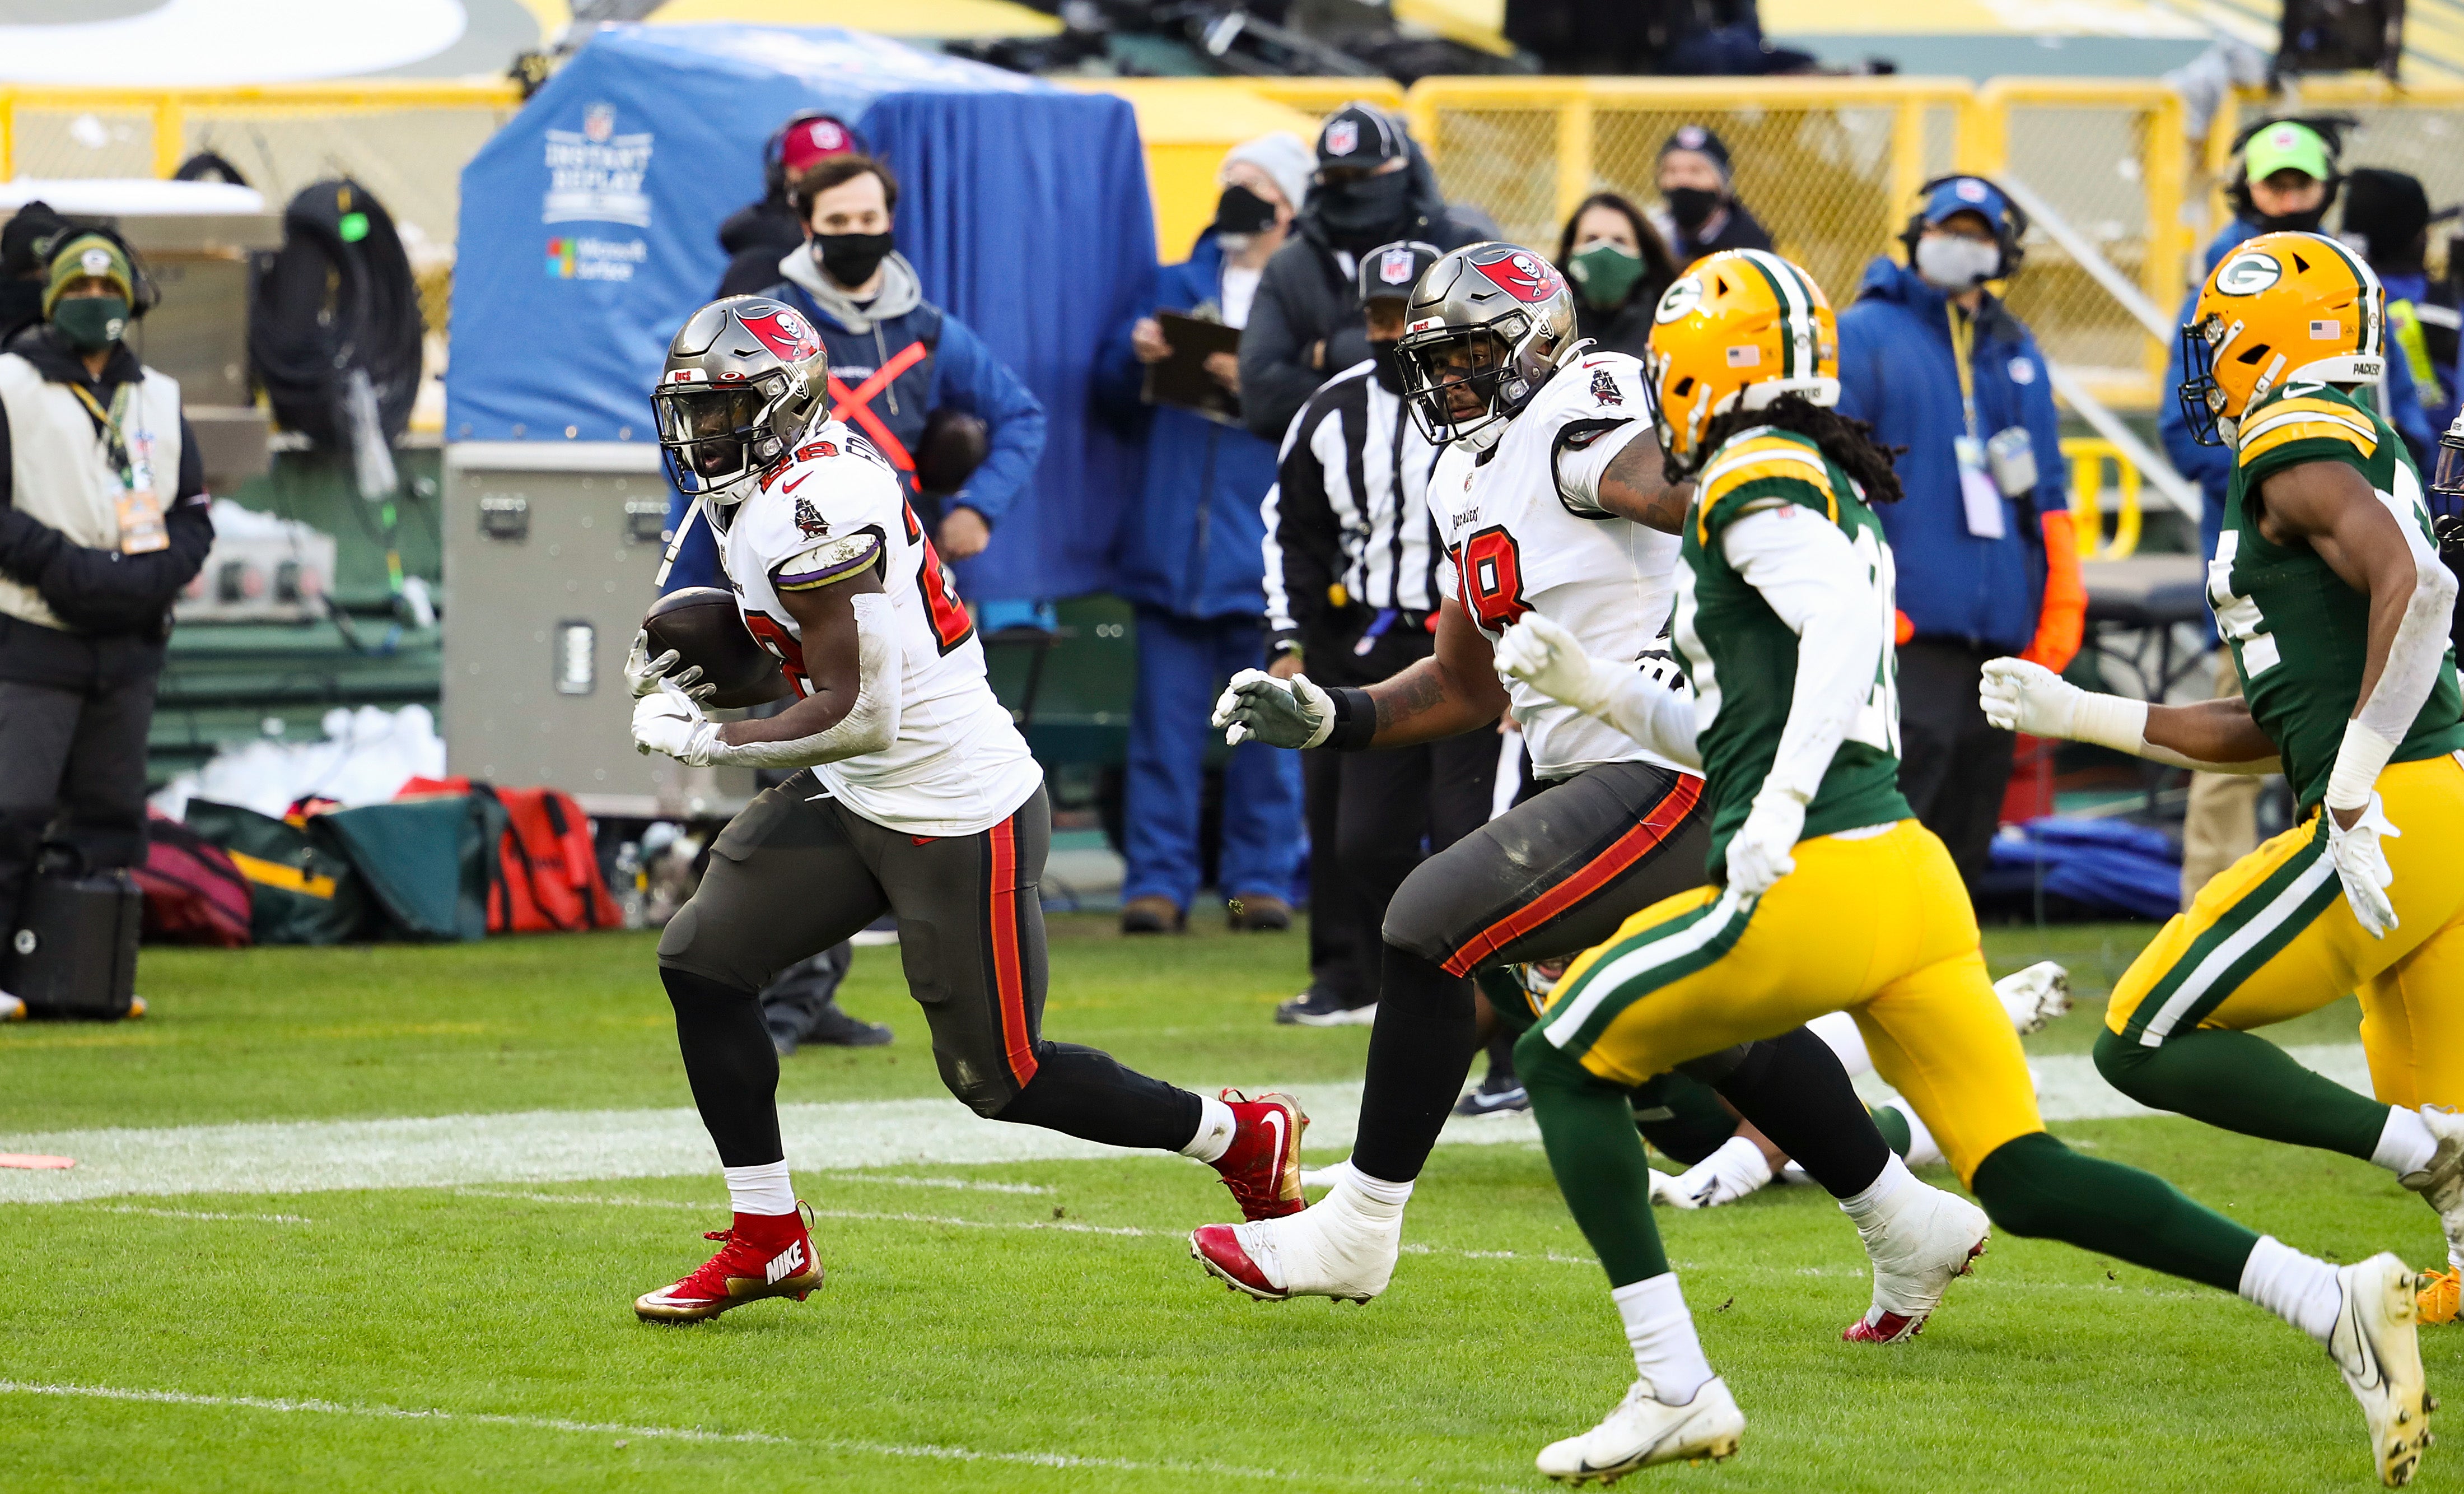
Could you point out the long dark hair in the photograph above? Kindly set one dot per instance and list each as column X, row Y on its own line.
column 1658, row 265
column 1847, row 442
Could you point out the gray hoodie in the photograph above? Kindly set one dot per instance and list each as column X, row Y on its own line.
column 901, row 291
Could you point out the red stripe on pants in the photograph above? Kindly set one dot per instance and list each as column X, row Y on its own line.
column 1009, row 978
column 1597, row 872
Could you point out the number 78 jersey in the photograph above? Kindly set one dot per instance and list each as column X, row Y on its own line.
column 1524, row 532
column 835, row 509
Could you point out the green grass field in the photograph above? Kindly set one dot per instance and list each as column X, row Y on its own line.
column 1036, row 1326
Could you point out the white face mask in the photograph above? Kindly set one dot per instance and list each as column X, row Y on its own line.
column 1949, row 263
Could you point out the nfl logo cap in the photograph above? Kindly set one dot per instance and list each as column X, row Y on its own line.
column 1358, row 135
column 1389, row 271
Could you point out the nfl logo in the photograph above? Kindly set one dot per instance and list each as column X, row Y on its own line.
column 598, row 122
column 1343, row 137
column 1395, row 267
column 1970, row 190
column 826, row 136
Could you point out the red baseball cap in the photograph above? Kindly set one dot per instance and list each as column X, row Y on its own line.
column 810, row 138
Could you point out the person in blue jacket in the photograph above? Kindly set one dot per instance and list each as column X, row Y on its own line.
column 895, row 358
column 1192, row 565
column 1941, row 370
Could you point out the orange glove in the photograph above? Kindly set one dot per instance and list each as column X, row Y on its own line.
column 2062, row 621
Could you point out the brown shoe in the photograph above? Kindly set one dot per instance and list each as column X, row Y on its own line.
column 1152, row 914
column 1258, row 913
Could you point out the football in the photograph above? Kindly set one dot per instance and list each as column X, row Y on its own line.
column 703, row 626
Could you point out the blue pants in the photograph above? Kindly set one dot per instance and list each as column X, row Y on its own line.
column 1183, row 665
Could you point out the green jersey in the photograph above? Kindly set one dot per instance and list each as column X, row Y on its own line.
column 1742, row 658
column 2299, row 636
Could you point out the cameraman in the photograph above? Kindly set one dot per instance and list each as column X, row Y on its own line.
column 103, row 520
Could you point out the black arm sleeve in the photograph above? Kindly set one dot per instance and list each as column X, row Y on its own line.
column 8, row 464
column 96, row 590
column 1305, row 531
column 1275, row 376
column 192, row 466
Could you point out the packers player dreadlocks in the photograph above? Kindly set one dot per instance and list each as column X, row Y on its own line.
column 1783, row 629
column 2328, row 587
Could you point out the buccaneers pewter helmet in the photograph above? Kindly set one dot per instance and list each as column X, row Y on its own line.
column 741, row 381
column 1488, row 323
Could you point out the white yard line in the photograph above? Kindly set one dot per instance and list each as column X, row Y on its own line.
column 575, row 1146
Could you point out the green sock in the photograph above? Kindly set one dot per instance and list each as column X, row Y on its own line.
column 2036, row 1185
column 1894, row 1127
column 1587, row 1127
column 2243, row 1082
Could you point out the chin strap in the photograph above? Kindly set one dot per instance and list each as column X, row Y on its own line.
column 676, row 542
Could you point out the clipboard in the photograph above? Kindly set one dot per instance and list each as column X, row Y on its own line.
column 1182, row 380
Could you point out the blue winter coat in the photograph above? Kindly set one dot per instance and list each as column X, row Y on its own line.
column 1896, row 371
column 2211, row 466
column 1193, row 544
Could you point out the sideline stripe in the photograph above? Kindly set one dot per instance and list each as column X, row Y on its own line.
column 1009, row 978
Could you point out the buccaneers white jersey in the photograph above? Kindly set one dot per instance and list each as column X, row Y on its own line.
column 959, row 765
column 1524, row 532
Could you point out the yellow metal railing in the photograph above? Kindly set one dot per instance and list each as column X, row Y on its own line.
column 167, row 112
column 2091, row 459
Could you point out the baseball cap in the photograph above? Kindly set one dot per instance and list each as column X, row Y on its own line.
column 1358, row 135
column 1966, row 194
column 1700, row 139
column 80, row 255
column 2282, row 145
column 1389, row 271
column 814, row 137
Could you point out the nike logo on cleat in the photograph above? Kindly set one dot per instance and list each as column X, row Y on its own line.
column 787, row 1262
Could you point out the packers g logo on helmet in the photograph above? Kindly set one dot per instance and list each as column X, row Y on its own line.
column 1737, row 332
column 2281, row 307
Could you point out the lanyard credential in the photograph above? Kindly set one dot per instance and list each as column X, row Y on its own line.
column 1963, row 347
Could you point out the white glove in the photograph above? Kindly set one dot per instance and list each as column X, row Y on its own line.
column 1737, row 1170
column 1758, row 853
column 2018, row 696
column 1665, row 1188
column 643, row 673
column 2361, row 866
column 669, row 721
column 1292, row 713
column 1551, row 659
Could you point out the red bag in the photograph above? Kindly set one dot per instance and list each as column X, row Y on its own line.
column 548, row 864
column 194, row 892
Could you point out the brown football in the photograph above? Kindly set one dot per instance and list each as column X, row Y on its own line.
column 703, row 626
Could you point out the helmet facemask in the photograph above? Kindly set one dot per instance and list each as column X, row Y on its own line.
column 717, row 438
column 1460, row 383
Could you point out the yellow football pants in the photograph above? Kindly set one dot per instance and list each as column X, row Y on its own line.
column 2272, row 937
column 1877, row 925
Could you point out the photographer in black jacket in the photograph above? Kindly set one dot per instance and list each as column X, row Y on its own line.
column 103, row 522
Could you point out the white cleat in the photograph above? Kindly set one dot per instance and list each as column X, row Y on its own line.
column 1930, row 1239
column 2442, row 1182
column 1644, row 1431
column 1329, row 1249
column 2035, row 995
column 2376, row 1346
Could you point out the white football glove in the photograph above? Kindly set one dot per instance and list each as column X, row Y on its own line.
column 643, row 673
column 669, row 721
column 1758, row 853
column 2018, row 696
column 1665, row 1188
column 2361, row 866
column 1735, row 1170
column 1551, row 659
column 1292, row 713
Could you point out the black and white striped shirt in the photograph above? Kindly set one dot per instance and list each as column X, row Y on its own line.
column 1347, row 520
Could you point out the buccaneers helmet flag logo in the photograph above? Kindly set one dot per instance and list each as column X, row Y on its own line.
column 1523, row 276
column 785, row 333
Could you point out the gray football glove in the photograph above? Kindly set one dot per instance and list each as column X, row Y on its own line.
column 643, row 673
column 1281, row 713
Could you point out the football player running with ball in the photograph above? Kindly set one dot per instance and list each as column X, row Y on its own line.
column 2328, row 589
column 917, row 796
column 1826, row 895
column 1549, row 499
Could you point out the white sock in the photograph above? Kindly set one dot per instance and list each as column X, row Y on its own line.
column 1214, row 1129
column 2405, row 1144
column 1838, row 1031
column 1667, row 1357
column 760, row 1190
column 2301, row 1289
column 1923, row 1149
column 1372, row 1197
column 1869, row 1204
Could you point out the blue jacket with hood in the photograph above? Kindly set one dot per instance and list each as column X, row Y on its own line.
column 1897, row 372
column 1192, row 544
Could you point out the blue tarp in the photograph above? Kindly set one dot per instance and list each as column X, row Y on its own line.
column 590, row 234
column 2110, row 865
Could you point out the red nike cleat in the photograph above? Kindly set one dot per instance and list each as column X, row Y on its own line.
column 760, row 1255
column 1218, row 1248
column 1263, row 1165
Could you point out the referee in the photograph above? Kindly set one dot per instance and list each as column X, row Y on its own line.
column 1351, row 597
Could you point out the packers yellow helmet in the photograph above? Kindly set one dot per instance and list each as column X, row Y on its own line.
column 1736, row 331
column 2279, row 307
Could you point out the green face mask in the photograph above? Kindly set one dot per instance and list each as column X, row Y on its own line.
column 1606, row 271
column 91, row 322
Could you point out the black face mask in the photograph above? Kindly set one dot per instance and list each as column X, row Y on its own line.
column 1389, row 365
column 1364, row 214
column 1240, row 210
column 2291, row 222
column 20, row 301
column 1691, row 206
column 851, row 258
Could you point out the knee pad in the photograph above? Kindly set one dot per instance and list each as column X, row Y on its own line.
column 2007, row 1185
column 1417, row 921
column 1541, row 1065
column 2119, row 1060
column 1713, row 1067
column 990, row 1094
column 689, row 989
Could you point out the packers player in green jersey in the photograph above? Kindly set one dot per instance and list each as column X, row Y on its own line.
column 2327, row 586
column 1826, row 895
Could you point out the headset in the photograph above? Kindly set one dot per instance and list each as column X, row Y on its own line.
column 2007, row 233
column 2329, row 128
